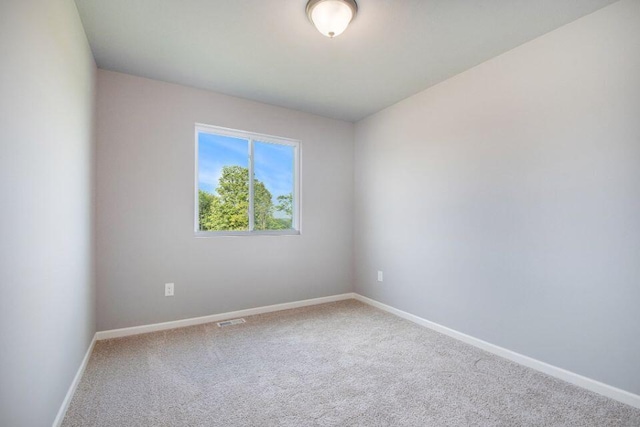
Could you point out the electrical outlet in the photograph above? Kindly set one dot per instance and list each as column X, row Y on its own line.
column 380, row 276
column 168, row 289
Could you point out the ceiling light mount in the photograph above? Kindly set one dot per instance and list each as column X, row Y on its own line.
column 331, row 17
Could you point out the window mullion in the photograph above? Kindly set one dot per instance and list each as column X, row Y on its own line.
column 251, row 206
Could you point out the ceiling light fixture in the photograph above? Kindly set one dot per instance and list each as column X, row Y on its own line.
column 331, row 17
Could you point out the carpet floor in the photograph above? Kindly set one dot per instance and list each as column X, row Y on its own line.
column 336, row 364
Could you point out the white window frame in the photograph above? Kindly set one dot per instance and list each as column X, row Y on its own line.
column 251, row 137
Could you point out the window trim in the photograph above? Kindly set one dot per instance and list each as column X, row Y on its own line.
column 296, row 229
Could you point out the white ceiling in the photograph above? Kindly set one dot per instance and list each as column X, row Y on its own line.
column 267, row 50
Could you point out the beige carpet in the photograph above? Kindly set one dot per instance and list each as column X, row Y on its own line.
column 338, row 364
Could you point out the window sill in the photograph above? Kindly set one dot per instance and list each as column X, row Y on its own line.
column 205, row 234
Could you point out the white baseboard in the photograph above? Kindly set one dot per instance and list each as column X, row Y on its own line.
column 74, row 385
column 135, row 330
column 568, row 376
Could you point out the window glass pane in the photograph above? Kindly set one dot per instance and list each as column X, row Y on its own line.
column 223, row 183
column 273, row 186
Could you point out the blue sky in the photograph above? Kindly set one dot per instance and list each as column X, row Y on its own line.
column 273, row 162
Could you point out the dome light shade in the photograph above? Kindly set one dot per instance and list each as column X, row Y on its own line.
column 331, row 17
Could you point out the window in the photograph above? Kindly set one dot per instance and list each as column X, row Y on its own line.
column 227, row 201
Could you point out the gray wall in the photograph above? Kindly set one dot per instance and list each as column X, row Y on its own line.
column 505, row 202
column 47, row 305
column 145, row 209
